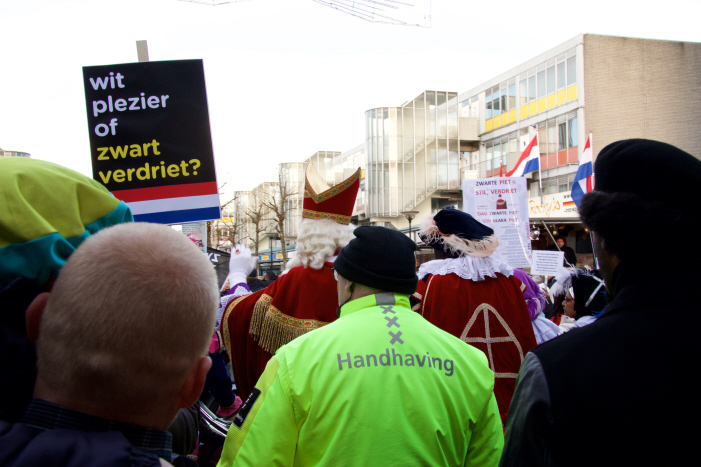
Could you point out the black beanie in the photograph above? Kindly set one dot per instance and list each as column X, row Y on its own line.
column 380, row 258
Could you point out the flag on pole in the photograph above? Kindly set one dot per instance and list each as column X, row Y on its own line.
column 501, row 168
column 529, row 160
column 583, row 179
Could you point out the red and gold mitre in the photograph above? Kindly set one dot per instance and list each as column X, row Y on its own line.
column 332, row 203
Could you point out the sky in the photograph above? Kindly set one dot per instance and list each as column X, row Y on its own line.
column 285, row 78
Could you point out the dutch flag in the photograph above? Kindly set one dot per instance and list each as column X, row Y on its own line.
column 583, row 180
column 173, row 204
column 529, row 160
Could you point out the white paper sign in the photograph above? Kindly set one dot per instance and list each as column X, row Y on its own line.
column 546, row 263
column 502, row 204
column 197, row 231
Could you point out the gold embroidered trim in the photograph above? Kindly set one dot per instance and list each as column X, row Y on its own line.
column 488, row 339
column 225, row 322
column 331, row 192
column 308, row 214
column 523, row 287
column 259, row 310
column 278, row 329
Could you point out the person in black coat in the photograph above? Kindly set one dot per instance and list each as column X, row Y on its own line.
column 620, row 391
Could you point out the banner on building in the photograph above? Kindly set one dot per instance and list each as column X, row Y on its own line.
column 150, row 141
column 502, row 204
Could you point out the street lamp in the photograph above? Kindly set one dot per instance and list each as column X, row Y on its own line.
column 271, row 236
column 409, row 216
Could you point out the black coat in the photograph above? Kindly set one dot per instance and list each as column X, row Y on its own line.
column 619, row 391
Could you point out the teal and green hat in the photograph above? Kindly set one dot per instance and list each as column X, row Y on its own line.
column 46, row 212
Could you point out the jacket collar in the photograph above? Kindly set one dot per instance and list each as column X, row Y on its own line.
column 370, row 301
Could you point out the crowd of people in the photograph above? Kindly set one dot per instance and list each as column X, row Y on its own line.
column 114, row 334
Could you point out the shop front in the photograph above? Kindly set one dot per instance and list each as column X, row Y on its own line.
column 557, row 214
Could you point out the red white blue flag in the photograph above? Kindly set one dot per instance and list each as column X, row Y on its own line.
column 529, row 160
column 583, row 182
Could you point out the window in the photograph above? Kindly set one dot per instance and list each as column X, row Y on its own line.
column 523, row 92
column 490, row 153
column 543, row 141
column 561, row 75
column 512, row 97
column 571, row 71
column 497, row 155
column 552, row 139
column 495, row 106
column 551, row 80
column 562, row 136
column 573, row 140
column 489, row 106
column 504, row 103
column 541, row 84
column 531, row 88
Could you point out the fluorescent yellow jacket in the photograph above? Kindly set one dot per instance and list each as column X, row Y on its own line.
column 379, row 386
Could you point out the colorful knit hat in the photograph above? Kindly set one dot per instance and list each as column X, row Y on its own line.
column 46, row 211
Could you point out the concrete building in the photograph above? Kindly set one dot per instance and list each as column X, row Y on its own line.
column 614, row 87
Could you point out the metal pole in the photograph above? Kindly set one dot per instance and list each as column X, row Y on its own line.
column 411, row 237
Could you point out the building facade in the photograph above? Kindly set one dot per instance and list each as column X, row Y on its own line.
column 614, row 87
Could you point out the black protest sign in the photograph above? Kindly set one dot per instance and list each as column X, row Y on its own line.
column 149, row 127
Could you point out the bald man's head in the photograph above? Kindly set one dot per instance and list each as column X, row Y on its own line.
column 130, row 314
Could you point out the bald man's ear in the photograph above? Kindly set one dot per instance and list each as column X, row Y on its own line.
column 192, row 387
column 33, row 315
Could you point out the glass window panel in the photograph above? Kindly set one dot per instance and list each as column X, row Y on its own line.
column 562, row 136
column 551, row 80
column 550, row 190
column 442, row 114
column 408, row 121
column 563, row 188
column 504, row 103
column 541, row 84
column 531, row 88
column 513, row 145
column 496, row 104
column 571, row 71
column 490, row 154
column 497, row 154
column 432, row 164
column 561, row 75
column 543, row 141
column 489, row 106
column 408, row 149
column 512, row 97
column 431, row 114
column 452, row 115
column 419, row 124
column 523, row 92
column 573, row 135
column 552, row 140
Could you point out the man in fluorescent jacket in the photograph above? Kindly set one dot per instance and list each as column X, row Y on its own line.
column 378, row 386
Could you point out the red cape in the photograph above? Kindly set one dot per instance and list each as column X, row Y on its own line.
column 256, row 325
column 490, row 314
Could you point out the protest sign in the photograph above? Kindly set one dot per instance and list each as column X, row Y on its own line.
column 502, row 204
column 546, row 263
column 150, row 140
column 198, row 232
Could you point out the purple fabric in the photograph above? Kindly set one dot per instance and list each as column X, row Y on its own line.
column 535, row 298
column 233, row 289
